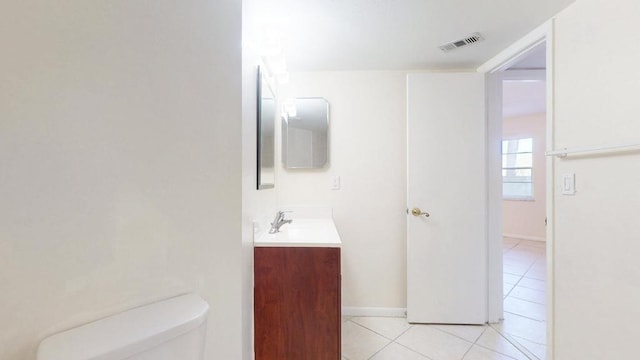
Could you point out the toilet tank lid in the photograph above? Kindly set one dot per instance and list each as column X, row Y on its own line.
column 127, row 333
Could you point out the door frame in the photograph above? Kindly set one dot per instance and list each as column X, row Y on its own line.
column 492, row 68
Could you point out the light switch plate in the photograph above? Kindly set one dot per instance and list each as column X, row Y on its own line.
column 335, row 182
column 568, row 184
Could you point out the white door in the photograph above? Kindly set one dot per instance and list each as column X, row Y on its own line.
column 446, row 154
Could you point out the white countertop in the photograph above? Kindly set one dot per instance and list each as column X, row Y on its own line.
column 302, row 232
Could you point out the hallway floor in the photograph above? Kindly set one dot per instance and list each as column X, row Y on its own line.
column 525, row 295
column 520, row 336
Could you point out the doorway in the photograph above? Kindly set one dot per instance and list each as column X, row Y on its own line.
column 524, row 201
column 520, row 92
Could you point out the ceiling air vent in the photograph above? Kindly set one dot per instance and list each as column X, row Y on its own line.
column 473, row 38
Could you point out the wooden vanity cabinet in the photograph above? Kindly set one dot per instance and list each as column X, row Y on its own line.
column 297, row 307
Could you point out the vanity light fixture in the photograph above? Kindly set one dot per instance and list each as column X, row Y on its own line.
column 290, row 108
column 273, row 56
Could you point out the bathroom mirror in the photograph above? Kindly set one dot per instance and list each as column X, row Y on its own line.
column 266, row 133
column 305, row 133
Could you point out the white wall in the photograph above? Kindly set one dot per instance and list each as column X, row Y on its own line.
column 257, row 205
column 120, row 142
column 525, row 219
column 367, row 151
column 597, row 232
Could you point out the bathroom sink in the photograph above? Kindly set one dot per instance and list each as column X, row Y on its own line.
column 303, row 232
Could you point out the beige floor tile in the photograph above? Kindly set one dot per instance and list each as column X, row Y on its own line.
column 506, row 289
column 492, row 340
column 530, row 248
column 532, row 295
column 509, row 243
column 515, row 269
column 528, row 297
column 536, row 274
column 389, row 327
column 510, row 278
column 525, row 308
column 470, row 333
column 535, row 244
column 434, row 343
column 539, row 350
column 526, row 328
column 520, row 259
column 359, row 343
column 534, row 284
column 398, row 352
column 525, row 254
column 540, row 265
column 480, row 353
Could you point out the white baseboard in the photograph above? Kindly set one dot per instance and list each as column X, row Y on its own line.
column 373, row 311
column 525, row 237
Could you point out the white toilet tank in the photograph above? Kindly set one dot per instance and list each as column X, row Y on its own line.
column 172, row 329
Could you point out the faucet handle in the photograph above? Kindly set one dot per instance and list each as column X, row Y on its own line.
column 279, row 216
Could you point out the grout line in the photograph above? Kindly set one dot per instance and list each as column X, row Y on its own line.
column 519, row 298
column 529, row 301
column 493, row 350
column 538, row 258
column 474, row 343
column 384, row 337
column 409, row 328
column 516, row 344
column 530, row 288
column 466, row 352
column 504, row 297
column 526, row 317
column 516, row 337
column 501, row 353
column 373, row 331
column 376, row 353
column 413, row 350
column 393, row 341
column 482, row 333
column 448, row 333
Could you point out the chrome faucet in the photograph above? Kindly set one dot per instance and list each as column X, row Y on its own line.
column 278, row 221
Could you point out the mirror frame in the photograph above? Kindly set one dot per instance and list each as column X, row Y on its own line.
column 262, row 181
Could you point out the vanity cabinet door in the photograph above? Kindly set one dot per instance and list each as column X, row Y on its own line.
column 297, row 303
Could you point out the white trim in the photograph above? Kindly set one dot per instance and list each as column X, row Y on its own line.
column 510, row 55
column 550, row 188
column 494, row 197
column 503, row 60
column 525, row 237
column 374, row 311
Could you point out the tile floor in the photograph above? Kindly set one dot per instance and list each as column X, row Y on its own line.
column 520, row 336
column 525, row 296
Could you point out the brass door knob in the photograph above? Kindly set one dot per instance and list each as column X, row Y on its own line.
column 418, row 212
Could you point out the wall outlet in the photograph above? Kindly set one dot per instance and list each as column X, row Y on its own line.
column 335, row 182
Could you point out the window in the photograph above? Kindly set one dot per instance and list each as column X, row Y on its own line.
column 517, row 169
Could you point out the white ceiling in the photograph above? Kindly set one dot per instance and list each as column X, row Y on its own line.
column 322, row 35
